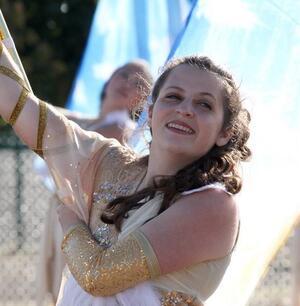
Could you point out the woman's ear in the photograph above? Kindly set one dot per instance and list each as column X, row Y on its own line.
column 223, row 138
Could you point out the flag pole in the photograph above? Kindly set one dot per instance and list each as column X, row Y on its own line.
column 7, row 40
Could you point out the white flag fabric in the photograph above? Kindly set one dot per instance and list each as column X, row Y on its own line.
column 122, row 31
column 9, row 44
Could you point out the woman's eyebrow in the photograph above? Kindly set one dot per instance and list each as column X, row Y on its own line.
column 175, row 87
column 207, row 94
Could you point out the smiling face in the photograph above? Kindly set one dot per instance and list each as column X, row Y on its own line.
column 188, row 114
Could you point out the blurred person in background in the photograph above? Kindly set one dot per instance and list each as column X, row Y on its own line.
column 121, row 100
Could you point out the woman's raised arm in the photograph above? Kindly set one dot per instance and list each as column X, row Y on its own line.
column 18, row 106
column 29, row 116
column 67, row 149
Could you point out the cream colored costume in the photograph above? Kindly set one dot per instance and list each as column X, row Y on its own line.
column 119, row 172
column 52, row 262
column 89, row 171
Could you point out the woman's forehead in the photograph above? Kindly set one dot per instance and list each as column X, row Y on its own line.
column 187, row 77
column 130, row 69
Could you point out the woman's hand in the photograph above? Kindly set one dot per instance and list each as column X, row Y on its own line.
column 67, row 218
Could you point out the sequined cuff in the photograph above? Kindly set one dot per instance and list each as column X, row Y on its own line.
column 151, row 258
column 175, row 298
column 107, row 271
column 69, row 233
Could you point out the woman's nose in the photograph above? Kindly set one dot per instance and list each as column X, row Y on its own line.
column 185, row 108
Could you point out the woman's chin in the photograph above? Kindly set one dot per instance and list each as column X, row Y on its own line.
column 175, row 148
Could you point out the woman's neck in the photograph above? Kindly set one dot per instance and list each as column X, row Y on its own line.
column 162, row 164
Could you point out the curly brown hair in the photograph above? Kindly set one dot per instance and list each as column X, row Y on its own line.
column 220, row 164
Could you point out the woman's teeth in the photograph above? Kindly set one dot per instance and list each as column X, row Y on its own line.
column 180, row 127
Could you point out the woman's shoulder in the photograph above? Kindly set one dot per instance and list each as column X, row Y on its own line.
column 210, row 198
column 212, row 186
column 210, row 209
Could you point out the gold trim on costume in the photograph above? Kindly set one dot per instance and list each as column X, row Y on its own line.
column 1, row 35
column 19, row 107
column 11, row 74
column 105, row 272
column 175, row 298
column 41, row 127
column 66, row 236
column 151, row 258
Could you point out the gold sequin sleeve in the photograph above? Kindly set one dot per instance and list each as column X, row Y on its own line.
column 105, row 272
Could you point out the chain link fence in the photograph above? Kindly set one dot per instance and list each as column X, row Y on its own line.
column 276, row 287
column 23, row 205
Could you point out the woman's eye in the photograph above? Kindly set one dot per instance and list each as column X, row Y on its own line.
column 205, row 104
column 173, row 97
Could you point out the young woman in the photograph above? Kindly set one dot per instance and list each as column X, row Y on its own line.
column 157, row 230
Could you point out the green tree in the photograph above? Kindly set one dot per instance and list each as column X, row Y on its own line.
column 50, row 36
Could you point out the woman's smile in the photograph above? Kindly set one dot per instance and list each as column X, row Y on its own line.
column 180, row 127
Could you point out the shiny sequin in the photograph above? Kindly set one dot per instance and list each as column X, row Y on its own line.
column 107, row 192
column 115, row 181
column 100, row 271
column 174, row 298
column 104, row 235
